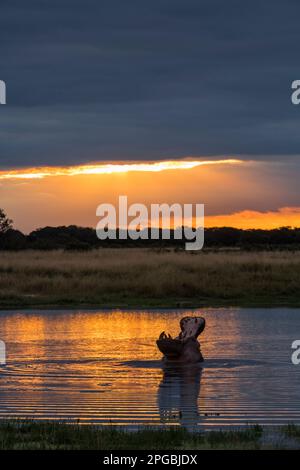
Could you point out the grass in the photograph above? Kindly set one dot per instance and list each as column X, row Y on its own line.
column 292, row 431
column 53, row 435
column 33, row 435
column 149, row 278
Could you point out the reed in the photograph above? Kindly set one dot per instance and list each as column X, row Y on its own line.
column 33, row 435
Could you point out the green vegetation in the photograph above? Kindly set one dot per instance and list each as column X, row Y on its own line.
column 148, row 278
column 16, row 435
column 292, row 431
column 53, row 435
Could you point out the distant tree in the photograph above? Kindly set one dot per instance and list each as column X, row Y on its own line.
column 13, row 240
column 5, row 222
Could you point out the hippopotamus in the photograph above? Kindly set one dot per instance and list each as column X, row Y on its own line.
column 185, row 347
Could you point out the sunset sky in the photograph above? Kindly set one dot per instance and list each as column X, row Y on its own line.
column 163, row 101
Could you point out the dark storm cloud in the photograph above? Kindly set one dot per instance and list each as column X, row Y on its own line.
column 99, row 80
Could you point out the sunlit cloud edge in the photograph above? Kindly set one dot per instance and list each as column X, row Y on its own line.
column 111, row 168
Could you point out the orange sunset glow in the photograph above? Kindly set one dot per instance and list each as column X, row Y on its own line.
column 285, row 216
column 235, row 193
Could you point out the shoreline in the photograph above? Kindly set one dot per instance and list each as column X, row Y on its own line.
column 150, row 304
column 143, row 307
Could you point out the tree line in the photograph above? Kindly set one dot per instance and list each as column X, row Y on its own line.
column 81, row 238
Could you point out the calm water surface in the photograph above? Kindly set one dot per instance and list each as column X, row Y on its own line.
column 103, row 367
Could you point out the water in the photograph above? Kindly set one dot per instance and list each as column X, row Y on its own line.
column 103, row 367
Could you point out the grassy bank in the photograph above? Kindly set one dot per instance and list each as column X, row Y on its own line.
column 18, row 435
column 148, row 278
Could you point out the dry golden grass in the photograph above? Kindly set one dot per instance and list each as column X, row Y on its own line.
column 139, row 277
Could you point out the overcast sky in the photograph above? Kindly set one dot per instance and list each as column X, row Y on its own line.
column 116, row 80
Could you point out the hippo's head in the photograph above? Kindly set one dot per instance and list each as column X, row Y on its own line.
column 191, row 327
column 173, row 348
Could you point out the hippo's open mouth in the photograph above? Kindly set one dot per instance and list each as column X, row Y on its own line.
column 173, row 348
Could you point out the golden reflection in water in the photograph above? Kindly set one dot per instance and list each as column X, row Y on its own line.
column 104, row 367
column 101, row 366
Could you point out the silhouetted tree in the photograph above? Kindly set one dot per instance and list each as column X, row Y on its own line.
column 5, row 222
column 76, row 238
column 13, row 240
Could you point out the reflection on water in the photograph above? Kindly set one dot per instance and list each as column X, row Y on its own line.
column 103, row 367
column 178, row 395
